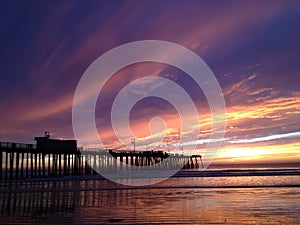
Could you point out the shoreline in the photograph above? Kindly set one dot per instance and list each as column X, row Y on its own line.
column 179, row 174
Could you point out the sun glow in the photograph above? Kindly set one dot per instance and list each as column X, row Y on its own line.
column 266, row 153
column 243, row 153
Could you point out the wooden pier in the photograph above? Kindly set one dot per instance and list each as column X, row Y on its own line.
column 21, row 161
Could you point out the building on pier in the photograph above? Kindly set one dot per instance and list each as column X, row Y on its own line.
column 46, row 144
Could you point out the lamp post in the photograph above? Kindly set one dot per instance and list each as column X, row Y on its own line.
column 133, row 142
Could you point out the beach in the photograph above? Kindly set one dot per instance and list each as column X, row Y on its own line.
column 236, row 199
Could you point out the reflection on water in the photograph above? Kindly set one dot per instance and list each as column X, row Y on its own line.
column 56, row 203
column 176, row 182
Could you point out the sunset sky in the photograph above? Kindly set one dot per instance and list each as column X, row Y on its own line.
column 252, row 47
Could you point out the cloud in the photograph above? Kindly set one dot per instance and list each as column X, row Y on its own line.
column 47, row 109
column 203, row 141
column 266, row 138
column 45, row 49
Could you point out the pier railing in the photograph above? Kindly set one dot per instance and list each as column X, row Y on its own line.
column 12, row 145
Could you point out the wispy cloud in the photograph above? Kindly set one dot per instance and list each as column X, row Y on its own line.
column 46, row 52
column 267, row 138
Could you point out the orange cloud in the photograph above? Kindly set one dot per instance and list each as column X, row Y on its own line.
column 47, row 109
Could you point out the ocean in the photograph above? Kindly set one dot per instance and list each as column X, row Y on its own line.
column 239, row 194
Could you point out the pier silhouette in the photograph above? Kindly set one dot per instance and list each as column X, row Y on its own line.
column 58, row 158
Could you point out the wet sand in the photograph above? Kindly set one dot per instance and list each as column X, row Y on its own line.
column 171, row 202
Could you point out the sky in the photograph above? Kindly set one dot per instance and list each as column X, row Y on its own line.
column 252, row 48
